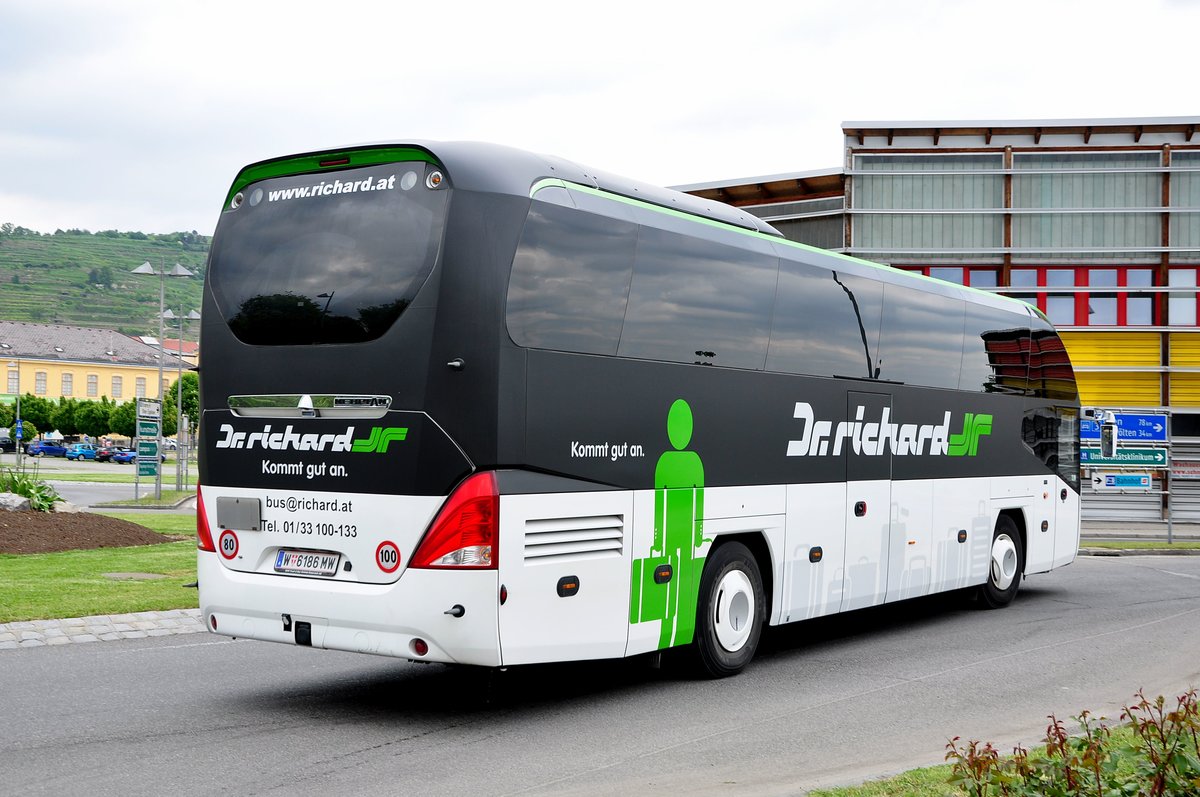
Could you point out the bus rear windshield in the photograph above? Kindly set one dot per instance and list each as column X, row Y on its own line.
column 326, row 258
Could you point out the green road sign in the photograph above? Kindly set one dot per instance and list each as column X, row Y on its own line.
column 147, row 428
column 1139, row 457
column 147, row 467
column 147, row 449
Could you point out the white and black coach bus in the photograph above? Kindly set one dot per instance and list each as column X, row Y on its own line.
column 467, row 404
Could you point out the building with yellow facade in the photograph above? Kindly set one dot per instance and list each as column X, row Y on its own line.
column 81, row 363
column 1094, row 221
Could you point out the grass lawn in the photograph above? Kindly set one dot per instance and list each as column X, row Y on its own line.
column 111, row 478
column 929, row 782
column 73, row 584
column 169, row 498
column 934, row 781
column 1141, row 545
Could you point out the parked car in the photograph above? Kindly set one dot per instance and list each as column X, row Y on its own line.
column 44, row 448
column 105, row 453
column 7, row 445
column 129, row 455
column 169, row 444
column 81, row 451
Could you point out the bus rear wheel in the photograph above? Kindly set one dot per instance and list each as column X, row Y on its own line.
column 1006, row 565
column 730, row 611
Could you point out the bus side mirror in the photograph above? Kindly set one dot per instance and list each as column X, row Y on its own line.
column 1108, row 440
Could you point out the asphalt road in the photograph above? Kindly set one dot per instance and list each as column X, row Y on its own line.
column 85, row 494
column 828, row 702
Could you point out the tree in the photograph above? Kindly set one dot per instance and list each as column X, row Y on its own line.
column 28, row 430
column 92, row 417
column 101, row 276
column 8, row 414
column 191, row 402
column 63, row 416
column 38, row 411
column 122, row 419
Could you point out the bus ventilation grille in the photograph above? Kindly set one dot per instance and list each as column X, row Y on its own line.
column 572, row 539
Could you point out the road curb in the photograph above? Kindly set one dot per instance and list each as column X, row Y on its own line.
column 1083, row 551
column 99, row 628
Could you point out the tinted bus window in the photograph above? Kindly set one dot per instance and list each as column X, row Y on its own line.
column 921, row 338
column 1050, row 373
column 570, row 280
column 825, row 323
column 995, row 352
column 328, row 258
column 1053, row 435
column 696, row 301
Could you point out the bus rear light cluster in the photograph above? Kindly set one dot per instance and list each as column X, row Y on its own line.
column 204, row 540
column 466, row 532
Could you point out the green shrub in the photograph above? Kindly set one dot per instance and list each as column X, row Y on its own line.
column 41, row 495
column 1154, row 752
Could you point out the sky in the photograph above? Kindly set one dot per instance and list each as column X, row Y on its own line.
column 132, row 115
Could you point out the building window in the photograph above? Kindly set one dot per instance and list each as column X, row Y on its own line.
column 116, row 387
column 39, row 383
column 1181, row 306
column 14, row 380
column 93, row 386
column 974, row 277
column 68, row 384
column 1098, row 297
column 1139, row 307
column 1060, row 307
column 140, row 387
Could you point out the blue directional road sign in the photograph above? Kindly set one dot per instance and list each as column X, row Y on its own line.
column 1126, row 481
column 1131, row 427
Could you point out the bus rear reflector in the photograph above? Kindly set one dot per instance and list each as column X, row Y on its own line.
column 204, row 540
column 466, row 532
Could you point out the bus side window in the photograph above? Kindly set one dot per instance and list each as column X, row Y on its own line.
column 1050, row 372
column 696, row 301
column 995, row 353
column 919, row 328
column 826, row 323
column 570, row 280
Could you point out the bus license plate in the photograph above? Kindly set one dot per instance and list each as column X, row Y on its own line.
column 307, row 563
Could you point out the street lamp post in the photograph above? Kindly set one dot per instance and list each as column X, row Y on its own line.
column 177, row 271
column 180, row 448
column 18, row 437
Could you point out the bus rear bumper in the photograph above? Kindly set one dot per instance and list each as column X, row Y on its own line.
column 384, row 619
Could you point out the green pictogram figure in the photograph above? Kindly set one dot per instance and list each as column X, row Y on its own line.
column 664, row 585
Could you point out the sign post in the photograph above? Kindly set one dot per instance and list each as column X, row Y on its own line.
column 149, row 425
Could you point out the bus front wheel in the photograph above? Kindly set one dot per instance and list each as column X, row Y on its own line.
column 730, row 611
column 1006, row 565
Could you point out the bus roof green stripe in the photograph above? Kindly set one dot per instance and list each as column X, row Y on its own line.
column 310, row 164
column 555, row 182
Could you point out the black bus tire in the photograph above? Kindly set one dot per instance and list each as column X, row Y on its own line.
column 730, row 611
column 1006, row 565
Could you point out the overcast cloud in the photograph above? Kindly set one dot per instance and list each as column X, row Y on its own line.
column 137, row 115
